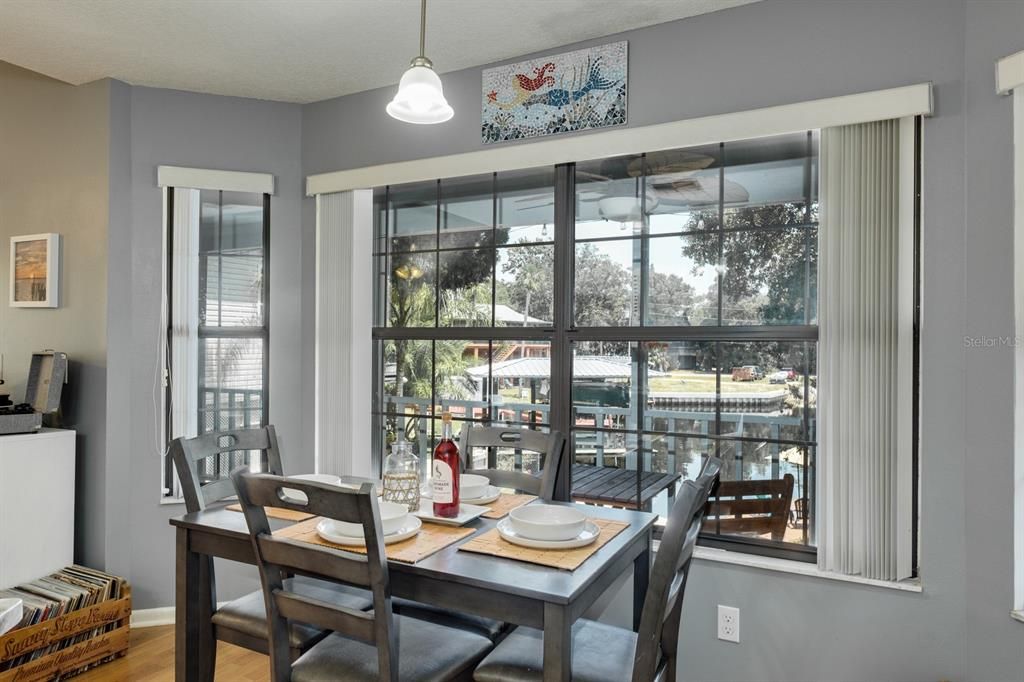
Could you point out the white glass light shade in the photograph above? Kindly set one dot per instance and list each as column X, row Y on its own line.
column 419, row 98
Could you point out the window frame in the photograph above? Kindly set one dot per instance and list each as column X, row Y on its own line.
column 171, row 487
column 563, row 333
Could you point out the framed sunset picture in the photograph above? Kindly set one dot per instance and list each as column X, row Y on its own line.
column 35, row 271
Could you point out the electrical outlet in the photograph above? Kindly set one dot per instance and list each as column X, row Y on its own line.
column 728, row 623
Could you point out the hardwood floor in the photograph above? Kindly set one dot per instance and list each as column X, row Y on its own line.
column 150, row 658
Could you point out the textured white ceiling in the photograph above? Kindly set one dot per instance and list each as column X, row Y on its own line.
column 300, row 50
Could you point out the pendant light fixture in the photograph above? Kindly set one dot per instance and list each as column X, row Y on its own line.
column 419, row 98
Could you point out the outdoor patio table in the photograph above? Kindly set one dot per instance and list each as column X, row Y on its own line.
column 618, row 487
column 504, row 589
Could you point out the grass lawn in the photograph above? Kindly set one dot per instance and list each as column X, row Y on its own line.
column 689, row 381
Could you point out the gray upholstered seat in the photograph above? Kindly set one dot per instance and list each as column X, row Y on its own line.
column 600, row 653
column 603, row 653
column 488, row 627
column 427, row 652
column 248, row 615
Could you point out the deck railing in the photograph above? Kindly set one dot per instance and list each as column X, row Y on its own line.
column 227, row 409
column 600, row 431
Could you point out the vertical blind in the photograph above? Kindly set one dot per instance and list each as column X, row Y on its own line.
column 184, row 341
column 865, row 444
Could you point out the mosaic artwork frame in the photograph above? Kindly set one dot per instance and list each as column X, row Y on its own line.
column 572, row 91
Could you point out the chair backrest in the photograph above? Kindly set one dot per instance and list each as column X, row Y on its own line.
column 658, row 637
column 192, row 455
column 759, row 506
column 279, row 558
column 549, row 446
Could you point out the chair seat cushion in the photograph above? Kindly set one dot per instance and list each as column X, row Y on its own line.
column 427, row 652
column 248, row 614
column 600, row 653
column 488, row 627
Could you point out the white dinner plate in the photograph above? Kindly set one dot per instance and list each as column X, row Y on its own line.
column 467, row 512
column 493, row 493
column 409, row 529
column 589, row 534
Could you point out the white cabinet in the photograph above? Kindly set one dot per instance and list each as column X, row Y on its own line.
column 37, row 504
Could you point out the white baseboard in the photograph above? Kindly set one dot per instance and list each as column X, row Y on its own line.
column 148, row 618
column 151, row 618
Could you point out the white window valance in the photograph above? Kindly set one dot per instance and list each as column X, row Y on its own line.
column 204, row 178
column 911, row 100
column 1010, row 73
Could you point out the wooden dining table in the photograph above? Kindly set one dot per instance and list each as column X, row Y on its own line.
column 509, row 590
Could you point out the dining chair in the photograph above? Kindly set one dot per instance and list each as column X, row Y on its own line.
column 364, row 645
column 549, row 446
column 604, row 653
column 243, row 621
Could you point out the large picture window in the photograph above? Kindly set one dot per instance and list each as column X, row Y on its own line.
column 656, row 308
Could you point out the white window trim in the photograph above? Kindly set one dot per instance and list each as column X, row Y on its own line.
column 171, row 178
column 1010, row 78
column 799, row 568
column 911, row 100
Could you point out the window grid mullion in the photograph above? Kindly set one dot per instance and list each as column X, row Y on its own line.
column 564, row 335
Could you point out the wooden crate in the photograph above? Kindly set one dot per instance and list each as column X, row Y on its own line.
column 71, row 658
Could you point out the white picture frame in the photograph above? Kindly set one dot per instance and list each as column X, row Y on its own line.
column 35, row 271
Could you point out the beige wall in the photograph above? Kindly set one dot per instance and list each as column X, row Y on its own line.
column 54, row 159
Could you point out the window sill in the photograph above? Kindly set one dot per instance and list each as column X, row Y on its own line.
column 172, row 500
column 1017, row 615
column 799, row 568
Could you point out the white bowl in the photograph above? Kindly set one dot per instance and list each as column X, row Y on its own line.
column 329, row 479
column 473, row 486
column 548, row 521
column 353, row 485
column 298, row 495
column 392, row 518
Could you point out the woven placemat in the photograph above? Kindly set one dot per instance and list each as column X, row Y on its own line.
column 506, row 503
column 492, row 543
column 278, row 513
column 431, row 538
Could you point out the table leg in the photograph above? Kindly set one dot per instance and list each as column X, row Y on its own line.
column 641, row 576
column 557, row 644
column 194, row 646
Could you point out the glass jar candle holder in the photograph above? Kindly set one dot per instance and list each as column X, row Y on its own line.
column 402, row 476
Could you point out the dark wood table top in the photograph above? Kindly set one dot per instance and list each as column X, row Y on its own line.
column 492, row 573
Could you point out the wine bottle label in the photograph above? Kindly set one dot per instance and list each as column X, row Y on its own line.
column 442, row 483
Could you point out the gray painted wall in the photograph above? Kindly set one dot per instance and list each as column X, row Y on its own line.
column 995, row 645
column 166, row 127
column 759, row 55
column 53, row 178
column 777, row 52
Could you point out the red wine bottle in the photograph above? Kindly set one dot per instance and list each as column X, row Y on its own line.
column 445, row 482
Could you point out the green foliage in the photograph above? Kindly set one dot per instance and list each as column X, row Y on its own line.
column 670, row 300
column 764, row 268
column 602, row 286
